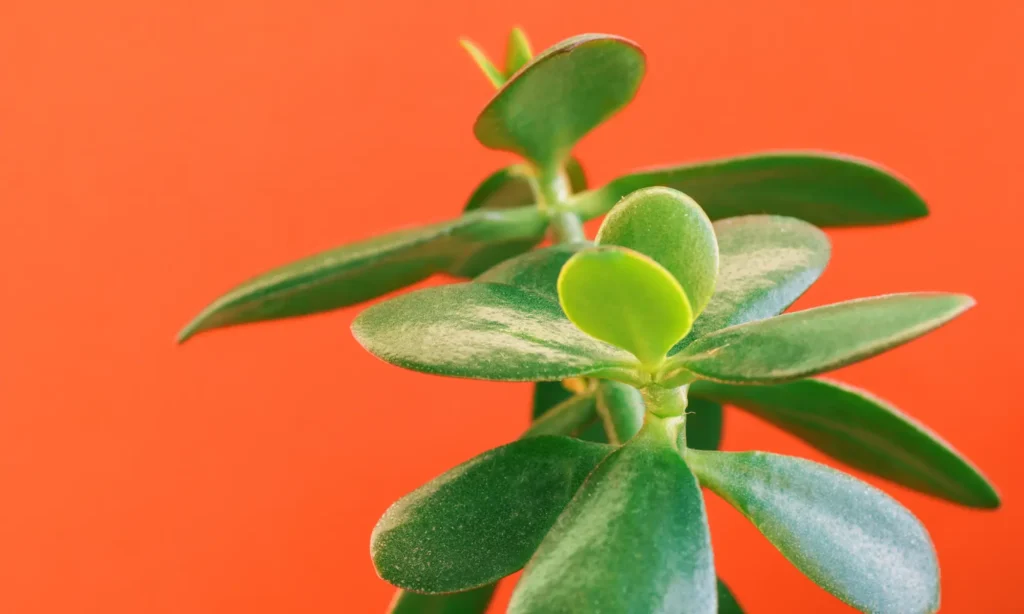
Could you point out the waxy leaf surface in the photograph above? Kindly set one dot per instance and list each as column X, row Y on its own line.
column 482, row 520
column 670, row 228
column 634, row 539
column 468, row 602
column 825, row 189
column 851, row 539
column 862, row 431
column 621, row 408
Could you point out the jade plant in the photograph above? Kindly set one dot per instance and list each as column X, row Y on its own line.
column 634, row 342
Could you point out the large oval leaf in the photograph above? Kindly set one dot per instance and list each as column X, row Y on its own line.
column 862, row 431
column 853, row 540
column 482, row 520
column 808, row 342
column 669, row 227
column 367, row 269
column 823, row 188
column 625, row 298
column 560, row 96
column 467, row 602
column 765, row 263
column 535, row 272
column 484, row 331
column 633, row 539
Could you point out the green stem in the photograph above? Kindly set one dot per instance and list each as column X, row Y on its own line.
column 552, row 190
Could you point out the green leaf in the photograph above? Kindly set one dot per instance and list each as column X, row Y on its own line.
column 535, row 272
column 825, row 189
column 517, row 52
column 703, row 423
column 669, row 227
column 853, row 540
column 633, row 539
column 727, row 603
column 765, row 263
column 862, row 431
column 509, row 187
column 468, row 602
column 367, row 269
column 547, row 395
column 484, row 331
column 623, row 297
column 482, row 520
column 621, row 408
column 808, row 342
column 568, row 417
column 493, row 75
column 560, row 96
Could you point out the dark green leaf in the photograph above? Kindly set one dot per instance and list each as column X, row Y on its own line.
column 517, row 52
column 467, row 602
column 536, row 272
column 482, row 520
column 484, row 331
column 765, row 263
column 823, row 188
column 367, row 269
column 560, row 96
column 634, row 539
column 547, row 395
column 864, row 432
column 509, row 187
column 487, row 67
column 567, row 418
column 670, row 228
column 853, row 540
column 804, row 343
column 621, row 408
column 703, row 424
column 727, row 603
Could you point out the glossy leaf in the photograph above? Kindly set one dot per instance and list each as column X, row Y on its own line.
column 484, row 331
column 509, row 187
column 621, row 408
column 853, row 540
column 669, row 227
column 495, row 76
column 626, row 299
column 808, row 342
column 633, row 539
column 862, row 431
column 566, row 418
column 765, row 263
column 468, row 602
column 517, row 52
column 482, row 520
column 560, row 96
column 823, row 188
column 367, row 269
column 703, row 423
column 727, row 603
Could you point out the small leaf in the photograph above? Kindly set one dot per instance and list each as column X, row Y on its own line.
column 669, row 227
column 517, row 53
column 804, row 343
column 468, row 602
column 633, row 539
column 864, row 432
column 493, row 75
column 484, row 331
column 727, row 603
column 367, row 269
column 625, row 298
column 703, row 423
column 621, row 408
column 560, row 96
column 823, row 188
column 482, row 520
column 765, row 263
column 853, row 540
column 509, row 187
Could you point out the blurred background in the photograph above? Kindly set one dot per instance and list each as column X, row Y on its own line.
column 153, row 154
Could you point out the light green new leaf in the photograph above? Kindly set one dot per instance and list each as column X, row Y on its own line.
column 560, row 96
column 367, row 269
column 633, row 539
column 490, row 71
column 862, row 431
column 484, row 331
column 853, row 540
column 517, row 53
column 669, row 227
column 823, row 188
column 765, row 263
column 468, row 602
column 804, row 343
column 482, row 520
column 623, row 297
column 703, row 423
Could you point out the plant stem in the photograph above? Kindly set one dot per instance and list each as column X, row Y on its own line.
column 667, row 406
column 552, row 190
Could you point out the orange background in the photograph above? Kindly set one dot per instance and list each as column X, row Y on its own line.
column 153, row 154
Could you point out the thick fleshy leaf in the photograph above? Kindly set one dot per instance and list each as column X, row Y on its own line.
column 862, row 431
column 669, row 227
column 518, row 52
column 482, row 520
column 547, row 395
column 703, row 424
column 727, row 603
column 765, row 263
column 823, row 188
column 495, row 76
column 621, row 408
column 625, row 298
column 633, row 539
column 808, row 342
column 367, row 269
column 509, row 187
column 484, row 331
column 468, row 602
column 566, row 418
column 853, row 540
column 536, row 272
column 560, row 96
